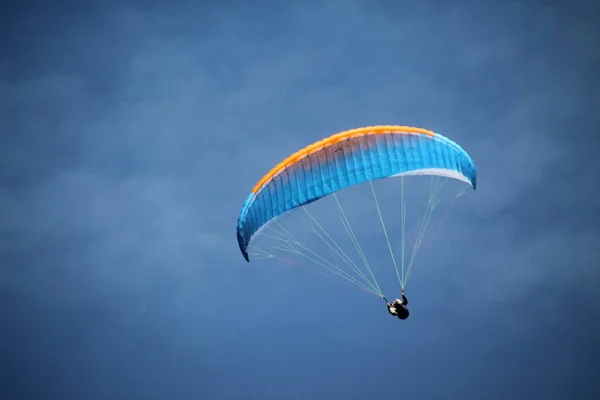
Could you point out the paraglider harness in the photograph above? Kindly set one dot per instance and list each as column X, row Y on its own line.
column 397, row 308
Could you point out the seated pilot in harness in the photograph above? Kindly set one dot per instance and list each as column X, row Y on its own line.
column 398, row 307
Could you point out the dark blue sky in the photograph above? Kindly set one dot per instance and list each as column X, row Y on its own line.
column 131, row 133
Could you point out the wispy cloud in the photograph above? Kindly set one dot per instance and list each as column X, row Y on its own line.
column 130, row 135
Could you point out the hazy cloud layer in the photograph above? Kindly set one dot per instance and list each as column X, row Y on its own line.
column 131, row 133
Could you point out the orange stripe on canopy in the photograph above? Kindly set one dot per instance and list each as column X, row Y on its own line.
column 333, row 139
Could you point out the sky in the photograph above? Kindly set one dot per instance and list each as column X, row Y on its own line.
column 131, row 133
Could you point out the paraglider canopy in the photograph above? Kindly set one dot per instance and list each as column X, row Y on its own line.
column 347, row 159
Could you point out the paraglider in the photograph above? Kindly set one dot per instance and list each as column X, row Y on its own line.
column 398, row 307
column 341, row 161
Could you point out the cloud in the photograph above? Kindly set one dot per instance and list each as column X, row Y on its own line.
column 130, row 136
